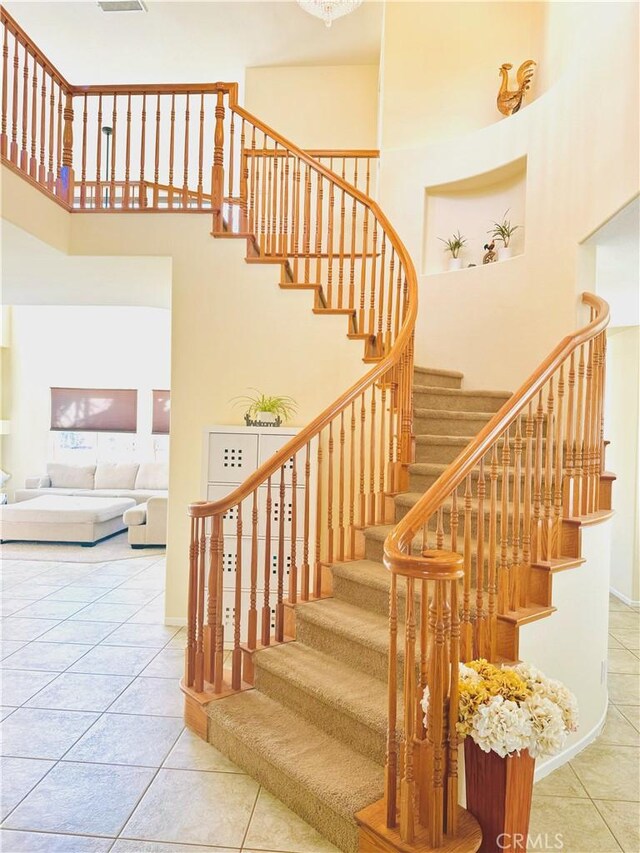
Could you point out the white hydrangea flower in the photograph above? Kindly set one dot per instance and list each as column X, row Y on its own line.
column 548, row 731
column 502, row 726
column 465, row 673
column 424, row 704
column 553, row 690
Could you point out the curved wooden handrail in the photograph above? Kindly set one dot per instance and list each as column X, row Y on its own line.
column 272, row 465
column 399, row 539
column 33, row 48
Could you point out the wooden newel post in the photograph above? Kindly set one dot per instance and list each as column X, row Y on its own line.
column 66, row 173
column 217, row 173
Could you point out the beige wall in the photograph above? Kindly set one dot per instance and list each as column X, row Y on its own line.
column 333, row 106
column 580, row 138
column 232, row 328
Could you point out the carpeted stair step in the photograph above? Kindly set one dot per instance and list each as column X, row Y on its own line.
column 342, row 701
column 422, row 475
column 357, row 637
column 318, row 777
column 374, row 542
column 365, row 583
column 438, row 422
column 440, row 448
column 457, row 400
column 437, row 378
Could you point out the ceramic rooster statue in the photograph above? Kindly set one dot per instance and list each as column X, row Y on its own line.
column 510, row 101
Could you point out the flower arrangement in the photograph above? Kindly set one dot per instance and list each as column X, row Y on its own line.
column 512, row 708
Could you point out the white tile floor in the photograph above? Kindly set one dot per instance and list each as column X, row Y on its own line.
column 95, row 756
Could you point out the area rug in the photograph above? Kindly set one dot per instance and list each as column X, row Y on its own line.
column 115, row 548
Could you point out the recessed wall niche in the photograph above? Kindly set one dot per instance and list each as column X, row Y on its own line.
column 471, row 206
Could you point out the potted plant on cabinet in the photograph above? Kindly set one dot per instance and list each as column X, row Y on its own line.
column 508, row 716
column 265, row 410
column 454, row 245
column 503, row 231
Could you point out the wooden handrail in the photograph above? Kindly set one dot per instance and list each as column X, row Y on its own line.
column 406, row 529
column 26, row 41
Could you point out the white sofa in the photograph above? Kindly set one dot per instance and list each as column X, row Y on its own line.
column 147, row 523
column 139, row 481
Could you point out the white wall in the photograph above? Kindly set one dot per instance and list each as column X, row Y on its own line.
column 332, row 106
column 83, row 347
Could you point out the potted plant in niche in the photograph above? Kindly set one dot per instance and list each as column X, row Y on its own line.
column 508, row 716
column 503, row 231
column 454, row 245
column 265, row 410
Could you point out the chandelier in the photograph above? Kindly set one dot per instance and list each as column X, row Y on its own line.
column 329, row 10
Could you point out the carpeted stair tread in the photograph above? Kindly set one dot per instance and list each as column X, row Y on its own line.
column 381, row 531
column 452, row 414
column 365, row 572
column 352, row 623
column 449, row 374
column 456, row 440
column 324, row 775
column 328, row 680
column 420, row 388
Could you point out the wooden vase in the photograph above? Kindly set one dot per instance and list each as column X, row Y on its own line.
column 499, row 792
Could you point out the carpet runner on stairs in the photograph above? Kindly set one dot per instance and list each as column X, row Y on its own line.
column 313, row 731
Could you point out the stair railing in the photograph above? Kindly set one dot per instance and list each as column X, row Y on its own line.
column 468, row 555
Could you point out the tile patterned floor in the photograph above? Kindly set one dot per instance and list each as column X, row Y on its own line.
column 96, row 757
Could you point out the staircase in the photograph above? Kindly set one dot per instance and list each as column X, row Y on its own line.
column 314, row 730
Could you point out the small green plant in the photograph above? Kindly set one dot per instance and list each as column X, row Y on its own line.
column 503, row 230
column 281, row 407
column 454, row 244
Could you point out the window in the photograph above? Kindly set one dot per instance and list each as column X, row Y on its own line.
column 161, row 412
column 94, row 410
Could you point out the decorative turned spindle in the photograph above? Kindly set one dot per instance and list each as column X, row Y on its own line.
column 466, row 632
column 217, row 172
column 407, row 783
column 13, row 150
column 547, row 524
column 556, row 538
column 280, row 559
column 67, row 175
column 536, row 549
column 492, row 569
column 33, row 161
column 516, row 536
column 5, row 65
column 504, row 575
column 266, row 606
column 391, row 768
column 526, row 525
column 252, row 619
column 236, row 655
column 304, row 593
column 481, row 616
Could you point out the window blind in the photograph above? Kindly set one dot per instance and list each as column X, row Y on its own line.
column 94, row 409
column 161, row 412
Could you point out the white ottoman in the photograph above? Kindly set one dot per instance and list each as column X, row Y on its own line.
column 63, row 518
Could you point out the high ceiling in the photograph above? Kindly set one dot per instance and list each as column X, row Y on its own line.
column 191, row 42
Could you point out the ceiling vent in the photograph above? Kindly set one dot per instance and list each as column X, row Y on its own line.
column 122, row 5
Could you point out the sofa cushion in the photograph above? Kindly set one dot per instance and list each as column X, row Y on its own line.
column 117, row 475
column 153, row 475
column 58, row 509
column 136, row 515
column 71, row 476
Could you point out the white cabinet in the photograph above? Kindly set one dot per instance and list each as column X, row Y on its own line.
column 231, row 454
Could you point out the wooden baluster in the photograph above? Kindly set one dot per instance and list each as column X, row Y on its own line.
column 547, row 524
column 231, row 169
column 438, row 687
column 293, row 537
column 274, row 202
column 481, row 616
column 5, row 105
column 83, row 168
column 352, row 483
column 59, row 126
column 516, row 544
column 330, row 235
column 192, row 595
column 252, row 184
column 127, row 157
column 407, row 784
column 280, row 560
column 352, row 264
column 318, row 243
column 363, row 270
column 587, row 432
column 341, row 492
column 372, row 458
column 66, row 169
column 466, row 633
column 24, row 154
column 603, row 379
column 216, row 582
column 42, row 168
column 172, row 128
column 185, row 161
column 578, row 443
column 330, row 466
column 451, row 809
column 372, row 291
column 142, row 191
column 569, row 448
column 317, row 569
column 268, row 191
column 556, row 537
column 266, row 608
column 285, row 204
column 307, row 222
column 236, row 655
column 381, row 296
column 504, row 582
column 281, row 213
column 455, row 520
column 341, row 243
column 391, row 768
column 97, row 202
column 52, row 124
column 382, row 467
column 200, row 610
column 200, row 189
column 33, row 161
column 295, row 231
column 526, row 524
column 387, row 342
column 492, row 577
column 536, row 551
column 13, row 150
column 156, row 168
column 392, row 472
column 260, row 199
column 598, row 435
column 252, row 619
column 112, row 168
column 217, row 173
column 304, row 591
column 362, row 509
